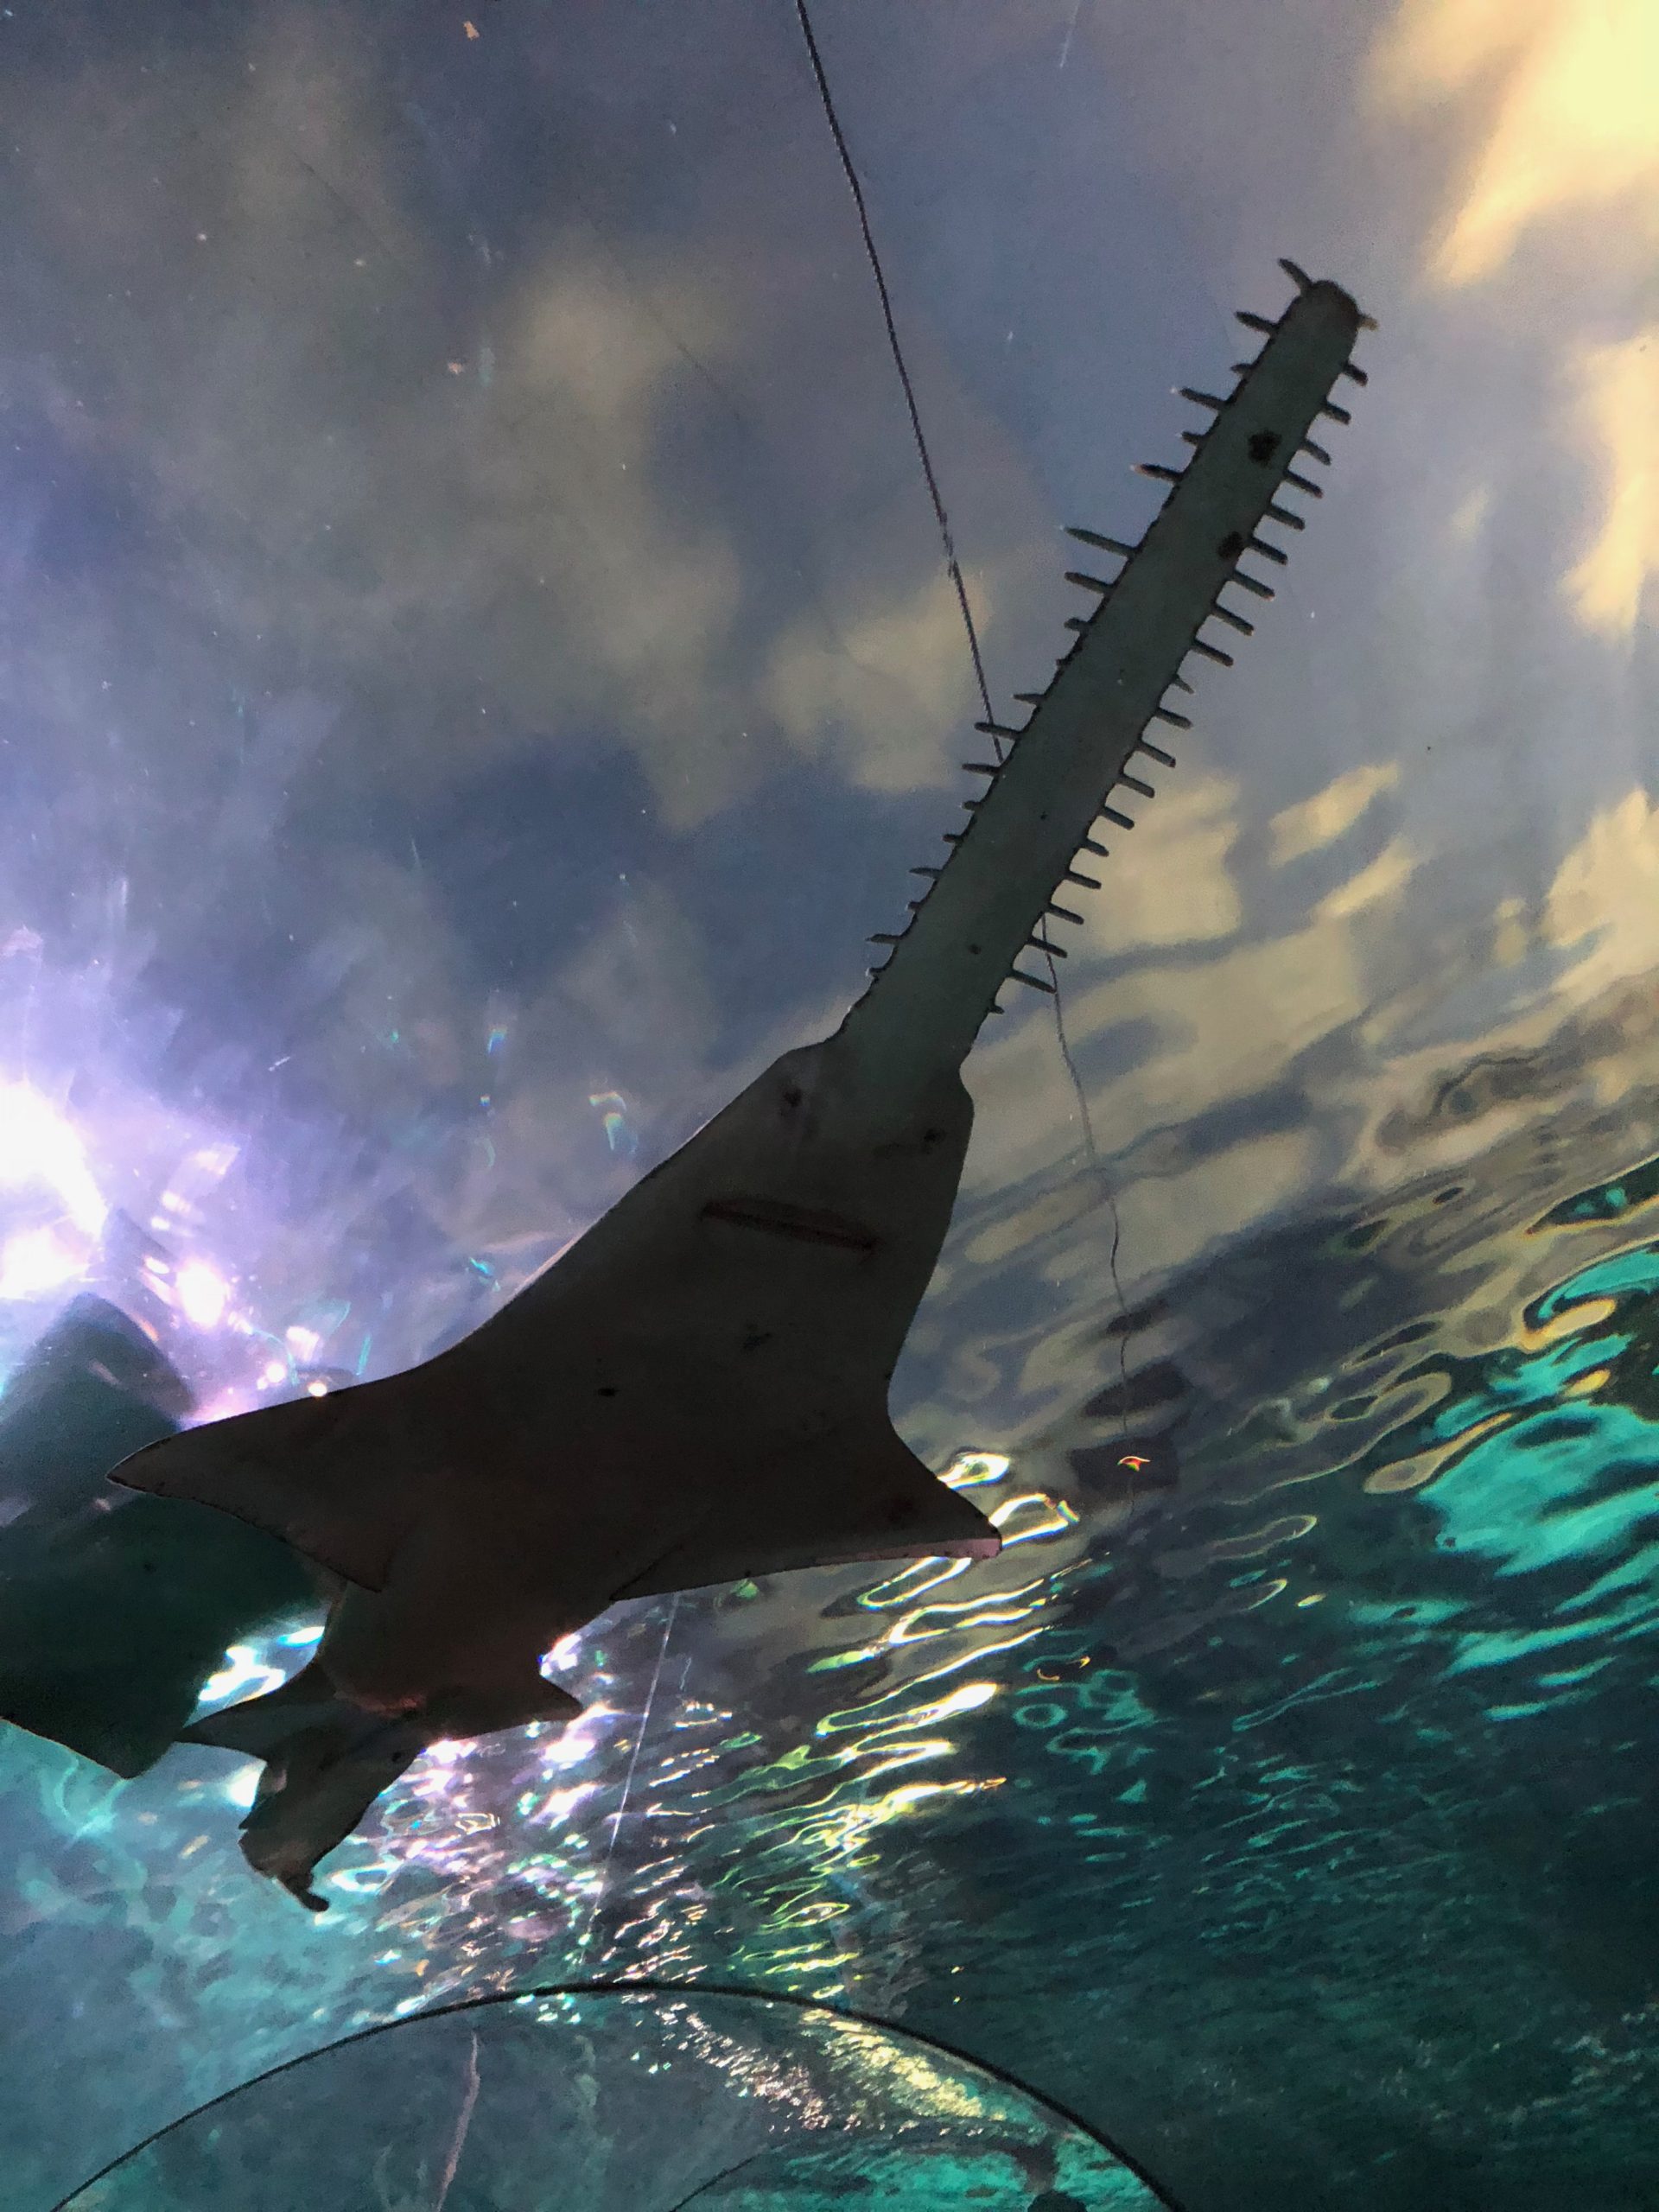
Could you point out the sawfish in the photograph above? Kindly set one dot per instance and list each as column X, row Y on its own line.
column 695, row 1391
column 116, row 1609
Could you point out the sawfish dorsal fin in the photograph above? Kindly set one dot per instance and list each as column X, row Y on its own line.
column 988, row 906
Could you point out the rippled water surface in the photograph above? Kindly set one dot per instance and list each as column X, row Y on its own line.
column 478, row 662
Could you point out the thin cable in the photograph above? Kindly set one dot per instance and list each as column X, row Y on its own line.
column 633, row 1765
column 1098, row 1169
column 857, row 191
column 1090, row 1148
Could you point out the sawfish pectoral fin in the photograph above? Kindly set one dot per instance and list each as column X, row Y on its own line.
column 484, row 1709
column 333, row 1476
column 259, row 1725
column 859, row 1493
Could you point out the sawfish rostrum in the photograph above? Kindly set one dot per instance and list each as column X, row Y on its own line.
column 698, row 1389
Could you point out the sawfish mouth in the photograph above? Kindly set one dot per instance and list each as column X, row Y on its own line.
column 802, row 1224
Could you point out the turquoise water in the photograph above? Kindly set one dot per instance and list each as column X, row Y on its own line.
column 1349, row 1723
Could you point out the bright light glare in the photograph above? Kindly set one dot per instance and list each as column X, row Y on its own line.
column 244, row 1674
column 36, row 1260
column 38, row 1146
column 202, row 1294
column 559, row 1805
column 1561, row 101
column 969, row 1469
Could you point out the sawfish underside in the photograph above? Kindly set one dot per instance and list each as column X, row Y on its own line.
column 698, row 1389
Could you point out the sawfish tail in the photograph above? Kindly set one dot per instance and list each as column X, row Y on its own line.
column 988, row 911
